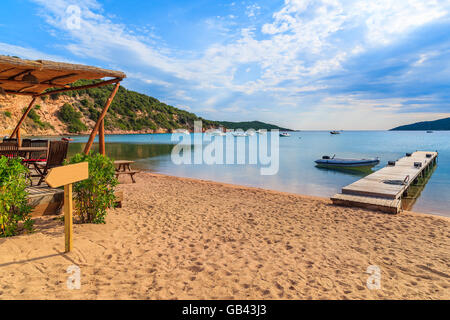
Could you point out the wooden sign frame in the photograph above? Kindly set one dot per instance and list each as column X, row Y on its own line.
column 66, row 176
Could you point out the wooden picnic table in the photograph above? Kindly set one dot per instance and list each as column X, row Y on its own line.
column 33, row 149
column 123, row 165
column 125, row 168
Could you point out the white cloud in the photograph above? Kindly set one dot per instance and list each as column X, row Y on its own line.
column 305, row 42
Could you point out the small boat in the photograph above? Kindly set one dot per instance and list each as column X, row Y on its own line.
column 429, row 131
column 335, row 132
column 183, row 131
column 261, row 131
column 284, row 134
column 67, row 139
column 240, row 134
column 332, row 162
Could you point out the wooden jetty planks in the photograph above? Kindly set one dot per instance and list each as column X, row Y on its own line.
column 374, row 191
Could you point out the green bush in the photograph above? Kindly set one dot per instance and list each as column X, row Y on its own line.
column 132, row 110
column 71, row 117
column 96, row 194
column 14, row 208
column 37, row 119
column 7, row 114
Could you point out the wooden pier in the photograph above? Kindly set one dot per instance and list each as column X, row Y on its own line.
column 45, row 200
column 383, row 190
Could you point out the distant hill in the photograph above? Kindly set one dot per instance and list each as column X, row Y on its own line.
column 441, row 124
column 250, row 125
column 75, row 112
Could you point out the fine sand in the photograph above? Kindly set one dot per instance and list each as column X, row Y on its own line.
column 179, row 238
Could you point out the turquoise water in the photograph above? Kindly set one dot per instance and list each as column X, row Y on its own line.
column 297, row 172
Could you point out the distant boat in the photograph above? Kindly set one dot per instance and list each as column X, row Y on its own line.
column 332, row 162
column 261, row 131
column 183, row 131
column 335, row 132
column 429, row 131
column 240, row 134
column 284, row 134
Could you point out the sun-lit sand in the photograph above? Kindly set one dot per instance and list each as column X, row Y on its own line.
column 179, row 238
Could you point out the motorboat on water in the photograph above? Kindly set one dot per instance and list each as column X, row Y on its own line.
column 183, row 131
column 332, row 162
column 284, row 134
column 218, row 133
column 261, row 131
column 335, row 132
column 240, row 134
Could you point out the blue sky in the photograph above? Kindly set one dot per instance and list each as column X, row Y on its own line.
column 303, row 64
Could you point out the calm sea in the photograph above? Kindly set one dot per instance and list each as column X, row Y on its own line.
column 297, row 172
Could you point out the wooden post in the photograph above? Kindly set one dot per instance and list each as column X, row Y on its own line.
column 25, row 114
column 68, row 217
column 101, row 138
column 18, row 137
column 66, row 176
column 100, row 119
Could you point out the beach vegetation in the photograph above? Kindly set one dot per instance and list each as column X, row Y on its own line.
column 96, row 194
column 7, row 114
column 72, row 118
column 36, row 118
column 15, row 213
column 130, row 110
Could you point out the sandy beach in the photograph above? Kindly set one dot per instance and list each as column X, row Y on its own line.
column 178, row 238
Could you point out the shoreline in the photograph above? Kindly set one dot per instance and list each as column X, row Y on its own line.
column 184, row 238
column 306, row 196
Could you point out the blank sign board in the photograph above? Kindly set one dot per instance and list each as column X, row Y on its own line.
column 65, row 175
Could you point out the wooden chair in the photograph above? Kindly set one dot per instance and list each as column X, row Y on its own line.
column 9, row 150
column 57, row 152
column 35, row 156
column 10, row 140
column 25, row 143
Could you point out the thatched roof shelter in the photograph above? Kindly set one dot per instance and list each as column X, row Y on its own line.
column 36, row 77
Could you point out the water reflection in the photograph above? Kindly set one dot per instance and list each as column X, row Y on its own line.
column 357, row 173
column 297, row 172
column 141, row 153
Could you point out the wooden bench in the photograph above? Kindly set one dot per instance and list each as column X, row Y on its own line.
column 131, row 173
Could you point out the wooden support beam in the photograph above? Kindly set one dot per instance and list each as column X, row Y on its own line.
column 101, row 118
column 45, row 83
column 19, row 143
column 25, row 114
column 6, row 70
column 68, row 218
column 94, row 85
column 20, row 73
column 49, row 81
column 101, row 138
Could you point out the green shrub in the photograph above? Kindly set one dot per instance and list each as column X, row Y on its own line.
column 14, row 208
column 96, row 194
column 7, row 114
column 37, row 119
column 71, row 117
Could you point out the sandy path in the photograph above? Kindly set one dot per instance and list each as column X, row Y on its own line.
column 180, row 238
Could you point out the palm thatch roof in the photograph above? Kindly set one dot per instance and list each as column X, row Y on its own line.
column 33, row 77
